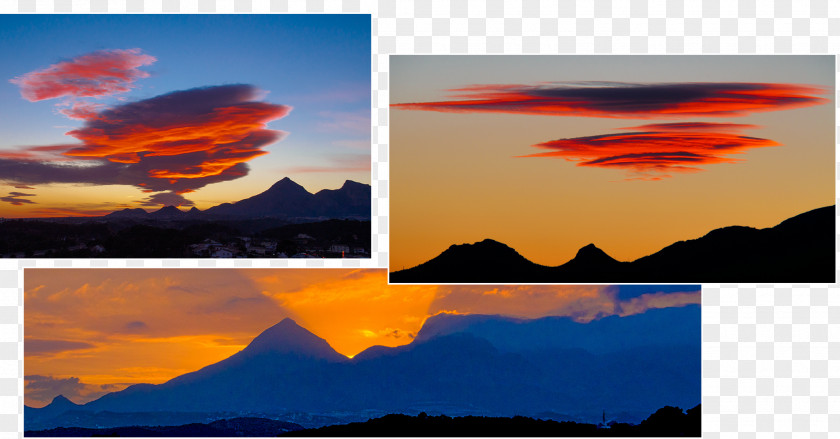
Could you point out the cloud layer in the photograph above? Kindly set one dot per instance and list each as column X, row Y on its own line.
column 623, row 100
column 177, row 142
column 101, row 73
column 580, row 302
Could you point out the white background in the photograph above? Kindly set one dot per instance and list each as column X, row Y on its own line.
column 771, row 353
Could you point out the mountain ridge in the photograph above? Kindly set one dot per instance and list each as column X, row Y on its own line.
column 798, row 249
column 467, row 368
column 283, row 199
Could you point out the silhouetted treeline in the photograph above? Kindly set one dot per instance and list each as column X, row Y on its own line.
column 667, row 421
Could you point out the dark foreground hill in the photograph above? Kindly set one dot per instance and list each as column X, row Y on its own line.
column 458, row 365
column 667, row 421
column 800, row 249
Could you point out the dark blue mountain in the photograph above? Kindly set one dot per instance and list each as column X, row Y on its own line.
column 606, row 335
column 284, row 199
column 289, row 199
column 458, row 365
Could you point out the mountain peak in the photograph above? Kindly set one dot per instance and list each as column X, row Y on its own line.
column 288, row 199
column 168, row 210
column 590, row 253
column 61, row 400
column 127, row 212
column 483, row 246
column 284, row 183
column 350, row 184
column 287, row 337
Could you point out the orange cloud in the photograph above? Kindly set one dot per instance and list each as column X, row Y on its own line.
column 177, row 142
column 221, row 126
column 621, row 100
column 649, row 152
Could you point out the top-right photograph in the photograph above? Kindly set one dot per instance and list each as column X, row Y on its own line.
column 612, row 169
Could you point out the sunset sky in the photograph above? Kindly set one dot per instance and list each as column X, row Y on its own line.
column 632, row 153
column 103, row 112
column 93, row 331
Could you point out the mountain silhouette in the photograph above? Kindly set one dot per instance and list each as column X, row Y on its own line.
column 289, row 199
column 488, row 365
column 168, row 212
column 128, row 213
column 284, row 199
column 799, row 249
column 287, row 337
column 60, row 404
column 482, row 262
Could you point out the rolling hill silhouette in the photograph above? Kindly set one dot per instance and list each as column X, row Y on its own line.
column 487, row 365
column 799, row 249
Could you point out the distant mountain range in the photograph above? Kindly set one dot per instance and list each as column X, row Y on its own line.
column 800, row 249
column 285, row 199
column 459, row 365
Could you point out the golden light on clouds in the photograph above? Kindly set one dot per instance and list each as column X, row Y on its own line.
column 93, row 331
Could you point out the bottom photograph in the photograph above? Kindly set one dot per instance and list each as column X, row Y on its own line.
column 339, row 352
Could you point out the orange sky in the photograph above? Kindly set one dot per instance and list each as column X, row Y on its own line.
column 90, row 331
column 477, row 151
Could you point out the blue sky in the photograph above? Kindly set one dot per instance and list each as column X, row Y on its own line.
column 317, row 64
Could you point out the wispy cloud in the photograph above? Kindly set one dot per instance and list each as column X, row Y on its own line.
column 101, row 73
column 342, row 163
column 694, row 126
column 17, row 198
column 352, row 122
column 582, row 302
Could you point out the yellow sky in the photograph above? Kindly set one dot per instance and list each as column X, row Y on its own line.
column 109, row 328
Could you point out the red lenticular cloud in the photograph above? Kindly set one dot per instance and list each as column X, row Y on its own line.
column 657, row 153
column 189, row 134
column 174, row 143
column 96, row 74
column 619, row 100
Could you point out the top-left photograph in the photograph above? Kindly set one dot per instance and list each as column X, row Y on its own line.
column 185, row 136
